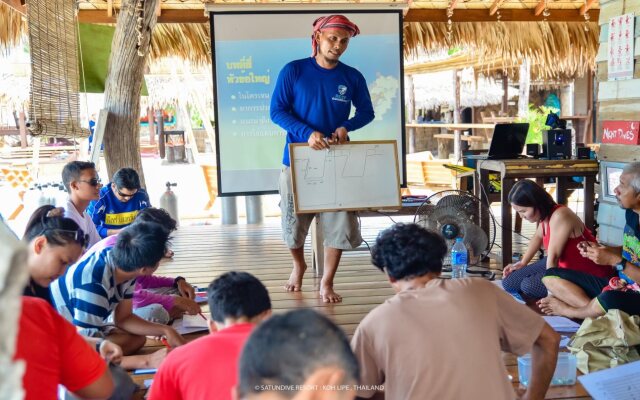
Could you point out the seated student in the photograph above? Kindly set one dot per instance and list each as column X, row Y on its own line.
column 54, row 354
column 451, row 328
column 81, row 180
column 156, row 298
column 119, row 203
column 99, row 288
column 237, row 301
column 162, row 298
column 559, row 231
column 298, row 355
column 54, row 243
column 579, row 295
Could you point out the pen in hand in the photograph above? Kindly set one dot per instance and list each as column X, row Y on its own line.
column 164, row 342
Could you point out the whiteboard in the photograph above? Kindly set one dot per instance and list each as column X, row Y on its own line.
column 354, row 176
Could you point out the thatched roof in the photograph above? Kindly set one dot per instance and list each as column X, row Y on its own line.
column 12, row 27
column 558, row 50
column 188, row 41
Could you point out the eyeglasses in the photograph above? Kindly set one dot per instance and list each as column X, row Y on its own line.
column 126, row 196
column 77, row 236
column 93, row 181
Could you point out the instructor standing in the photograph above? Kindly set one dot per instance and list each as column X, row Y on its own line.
column 312, row 101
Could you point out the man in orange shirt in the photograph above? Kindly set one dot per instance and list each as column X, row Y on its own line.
column 207, row 367
column 55, row 354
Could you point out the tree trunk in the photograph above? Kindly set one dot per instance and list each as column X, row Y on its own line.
column 123, row 87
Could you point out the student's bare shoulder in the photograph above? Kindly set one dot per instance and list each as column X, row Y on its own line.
column 563, row 214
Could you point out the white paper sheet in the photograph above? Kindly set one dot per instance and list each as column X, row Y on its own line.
column 195, row 323
column 619, row 383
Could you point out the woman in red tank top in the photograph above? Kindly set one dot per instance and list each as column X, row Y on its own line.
column 559, row 232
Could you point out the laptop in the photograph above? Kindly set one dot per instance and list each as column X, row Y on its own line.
column 507, row 142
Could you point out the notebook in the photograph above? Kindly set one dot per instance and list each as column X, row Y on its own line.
column 194, row 321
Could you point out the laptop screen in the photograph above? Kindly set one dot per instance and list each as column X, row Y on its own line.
column 508, row 140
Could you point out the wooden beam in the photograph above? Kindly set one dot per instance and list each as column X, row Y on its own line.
column 495, row 6
column 168, row 16
column 186, row 16
column 159, row 8
column 507, row 15
column 539, row 8
column 109, row 8
column 587, row 6
column 16, row 5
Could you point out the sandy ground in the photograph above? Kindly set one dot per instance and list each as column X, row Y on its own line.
column 191, row 191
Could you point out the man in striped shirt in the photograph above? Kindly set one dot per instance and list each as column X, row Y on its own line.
column 95, row 293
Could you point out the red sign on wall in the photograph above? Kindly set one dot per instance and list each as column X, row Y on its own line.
column 620, row 132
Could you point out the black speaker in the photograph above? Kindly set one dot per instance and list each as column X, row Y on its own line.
column 556, row 144
column 533, row 149
column 583, row 153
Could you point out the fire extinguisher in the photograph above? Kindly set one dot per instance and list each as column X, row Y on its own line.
column 169, row 201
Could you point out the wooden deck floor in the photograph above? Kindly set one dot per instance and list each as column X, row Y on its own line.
column 204, row 252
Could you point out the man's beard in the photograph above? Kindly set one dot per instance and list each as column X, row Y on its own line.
column 330, row 61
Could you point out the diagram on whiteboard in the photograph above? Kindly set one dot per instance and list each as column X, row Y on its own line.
column 358, row 175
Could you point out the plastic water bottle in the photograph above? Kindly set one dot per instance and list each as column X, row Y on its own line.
column 458, row 259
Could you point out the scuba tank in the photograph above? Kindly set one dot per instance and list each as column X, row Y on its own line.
column 169, row 201
column 43, row 194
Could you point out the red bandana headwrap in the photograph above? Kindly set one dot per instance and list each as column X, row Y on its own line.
column 332, row 21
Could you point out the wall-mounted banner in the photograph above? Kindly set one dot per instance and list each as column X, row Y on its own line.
column 621, row 32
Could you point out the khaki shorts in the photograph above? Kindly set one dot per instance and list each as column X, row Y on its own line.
column 341, row 229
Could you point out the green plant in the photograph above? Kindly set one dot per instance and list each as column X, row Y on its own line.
column 536, row 117
column 196, row 120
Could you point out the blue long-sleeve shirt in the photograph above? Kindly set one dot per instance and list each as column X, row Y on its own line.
column 110, row 213
column 310, row 98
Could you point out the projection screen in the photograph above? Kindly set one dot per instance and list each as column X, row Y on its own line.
column 248, row 51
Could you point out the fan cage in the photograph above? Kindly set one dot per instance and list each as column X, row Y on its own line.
column 483, row 212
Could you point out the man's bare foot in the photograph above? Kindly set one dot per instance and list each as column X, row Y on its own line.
column 552, row 306
column 294, row 284
column 328, row 294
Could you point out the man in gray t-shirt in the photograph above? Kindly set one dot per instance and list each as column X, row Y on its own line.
column 453, row 330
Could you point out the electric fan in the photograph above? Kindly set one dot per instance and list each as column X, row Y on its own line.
column 455, row 213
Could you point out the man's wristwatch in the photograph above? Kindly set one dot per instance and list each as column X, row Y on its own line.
column 620, row 266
